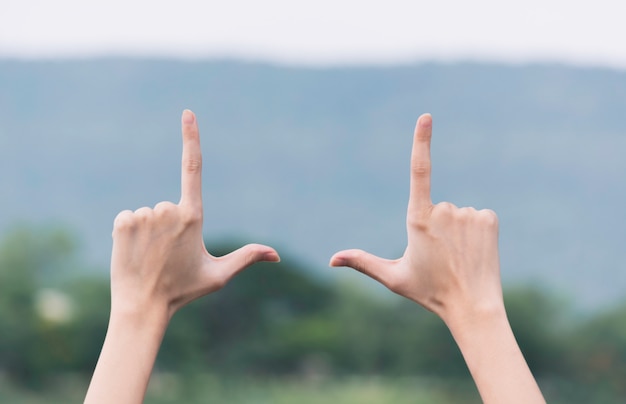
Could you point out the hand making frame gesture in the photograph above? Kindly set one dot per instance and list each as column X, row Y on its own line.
column 159, row 257
column 451, row 267
column 159, row 263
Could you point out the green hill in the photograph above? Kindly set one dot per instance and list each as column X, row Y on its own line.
column 317, row 159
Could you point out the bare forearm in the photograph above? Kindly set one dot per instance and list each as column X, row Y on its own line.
column 493, row 357
column 451, row 267
column 159, row 263
column 128, row 354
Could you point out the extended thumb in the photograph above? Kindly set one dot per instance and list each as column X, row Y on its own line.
column 364, row 262
column 247, row 255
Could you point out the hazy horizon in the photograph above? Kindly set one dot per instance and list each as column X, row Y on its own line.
column 354, row 32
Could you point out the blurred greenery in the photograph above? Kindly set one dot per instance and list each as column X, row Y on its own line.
column 276, row 334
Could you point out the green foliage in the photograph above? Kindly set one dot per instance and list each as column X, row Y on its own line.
column 599, row 350
column 277, row 321
column 341, row 390
column 538, row 321
column 46, row 315
column 27, row 260
column 247, row 324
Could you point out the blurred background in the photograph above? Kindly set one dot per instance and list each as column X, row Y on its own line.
column 307, row 111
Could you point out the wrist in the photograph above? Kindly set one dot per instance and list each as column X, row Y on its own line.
column 151, row 316
column 494, row 359
column 470, row 318
column 130, row 348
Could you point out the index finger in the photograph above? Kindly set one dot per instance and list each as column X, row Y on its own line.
column 191, row 176
column 420, row 164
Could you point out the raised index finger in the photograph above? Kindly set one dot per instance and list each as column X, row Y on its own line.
column 191, row 178
column 420, row 165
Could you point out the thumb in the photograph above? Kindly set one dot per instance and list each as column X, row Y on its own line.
column 375, row 267
column 240, row 259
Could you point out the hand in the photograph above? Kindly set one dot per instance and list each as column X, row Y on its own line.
column 159, row 258
column 451, row 267
column 159, row 263
column 451, row 263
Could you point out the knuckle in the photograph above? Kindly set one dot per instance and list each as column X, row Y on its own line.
column 423, row 135
column 124, row 221
column 445, row 208
column 164, row 208
column 355, row 259
column 415, row 220
column 254, row 253
column 192, row 216
column 445, row 212
column 466, row 213
column 489, row 216
column 418, row 217
column 143, row 214
column 421, row 168
column 248, row 256
column 251, row 256
column 193, row 165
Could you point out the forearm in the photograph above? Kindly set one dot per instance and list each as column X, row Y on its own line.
column 159, row 263
column 493, row 357
column 128, row 354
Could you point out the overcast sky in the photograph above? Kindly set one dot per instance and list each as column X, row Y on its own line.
column 321, row 32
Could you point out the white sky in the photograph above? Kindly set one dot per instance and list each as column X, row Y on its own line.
column 321, row 32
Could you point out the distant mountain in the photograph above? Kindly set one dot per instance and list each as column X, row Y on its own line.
column 316, row 160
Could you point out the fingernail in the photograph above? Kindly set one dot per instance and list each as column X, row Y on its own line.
column 338, row 262
column 425, row 120
column 271, row 256
column 188, row 117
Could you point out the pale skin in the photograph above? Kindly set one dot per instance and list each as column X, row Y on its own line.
column 451, row 267
column 158, row 264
